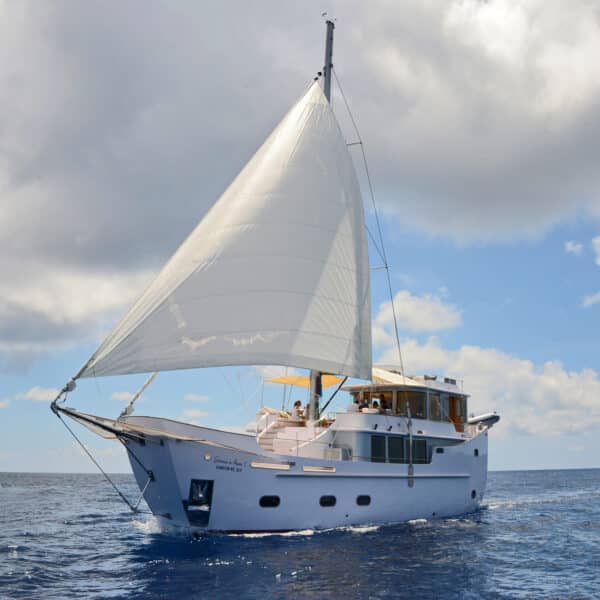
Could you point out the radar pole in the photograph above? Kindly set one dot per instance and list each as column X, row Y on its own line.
column 316, row 387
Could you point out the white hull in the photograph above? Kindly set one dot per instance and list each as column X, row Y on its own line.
column 453, row 483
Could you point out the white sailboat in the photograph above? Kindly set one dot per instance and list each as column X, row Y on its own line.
column 277, row 273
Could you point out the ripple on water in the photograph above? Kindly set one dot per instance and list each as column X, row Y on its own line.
column 537, row 536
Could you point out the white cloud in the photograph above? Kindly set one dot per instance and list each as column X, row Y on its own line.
column 501, row 98
column 269, row 372
column 427, row 313
column 124, row 396
column 590, row 300
column 4, row 403
column 596, row 247
column 573, row 247
column 195, row 398
column 193, row 416
column 38, row 394
column 538, row 399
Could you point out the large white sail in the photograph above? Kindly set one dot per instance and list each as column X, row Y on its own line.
column 276, row 273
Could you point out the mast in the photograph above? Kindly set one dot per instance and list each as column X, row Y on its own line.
column 316, row 388
column 328, row 60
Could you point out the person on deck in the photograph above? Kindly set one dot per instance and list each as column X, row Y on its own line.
column 297, row 412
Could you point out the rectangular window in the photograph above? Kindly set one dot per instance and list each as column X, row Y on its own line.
column 396, row 449
column 417, row 402
column 419, row 451
column 383, row 399
column 435, row 407
column 377, row 448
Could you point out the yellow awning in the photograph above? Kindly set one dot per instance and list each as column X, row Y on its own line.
column 304, row 380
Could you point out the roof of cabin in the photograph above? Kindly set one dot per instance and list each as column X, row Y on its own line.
column 385, row 378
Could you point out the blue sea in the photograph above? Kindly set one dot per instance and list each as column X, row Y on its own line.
column 70, row 536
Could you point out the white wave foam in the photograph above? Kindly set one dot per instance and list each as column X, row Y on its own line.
column 275, row 533
column 360, row 528
column 417, row 521
column 151, row 526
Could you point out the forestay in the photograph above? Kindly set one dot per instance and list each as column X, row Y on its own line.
column 276, row 273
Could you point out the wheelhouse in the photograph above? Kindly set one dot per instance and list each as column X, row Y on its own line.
column 421, row 397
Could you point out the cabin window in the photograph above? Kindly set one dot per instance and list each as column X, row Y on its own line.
column 441, row 451
column 363, row 500
column 435, row 407
column 377, row 448
column 327, row 501
column 396, row 449
column 383, row 399
column 417, row 402
column 419, row 451
column 269, row 501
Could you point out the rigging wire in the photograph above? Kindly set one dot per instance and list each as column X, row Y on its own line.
column 381, row 252
column 134, row 508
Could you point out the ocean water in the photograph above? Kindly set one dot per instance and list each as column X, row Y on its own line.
column 70, row 536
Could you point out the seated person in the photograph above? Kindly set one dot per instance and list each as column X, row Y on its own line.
column 297, row 413
column 362, row 404
column 376, row 404
column 383, row 407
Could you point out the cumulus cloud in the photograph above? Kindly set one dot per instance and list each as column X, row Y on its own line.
column 193, row 412
column 573, row 247
column 427, row 313
column 35, row 394
column 481, row 120
column 123, row 396
column 270, row 372
column 193, row 415
column 540, row 399
column 596, row 248
column 590, row 300
column 38, row 394
column 195, row 398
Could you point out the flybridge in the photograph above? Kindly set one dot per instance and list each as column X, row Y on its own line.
column 391, row 375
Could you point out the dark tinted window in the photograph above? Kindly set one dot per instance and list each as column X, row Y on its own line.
column 435, row 407
column 419, row 451
column 396, row 449
column 327, row 501
column 269, row 501
column 439, row 450
column 363, row 500
column 378, row 448
column 416, row 401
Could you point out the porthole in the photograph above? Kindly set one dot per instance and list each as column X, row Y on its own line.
column 473, row 494
column 327, row 501
column 439, row 451
column 363, row 500
column 476, row 452
column 269, row 501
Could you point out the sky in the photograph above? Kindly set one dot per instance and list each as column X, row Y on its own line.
column 121, row 124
